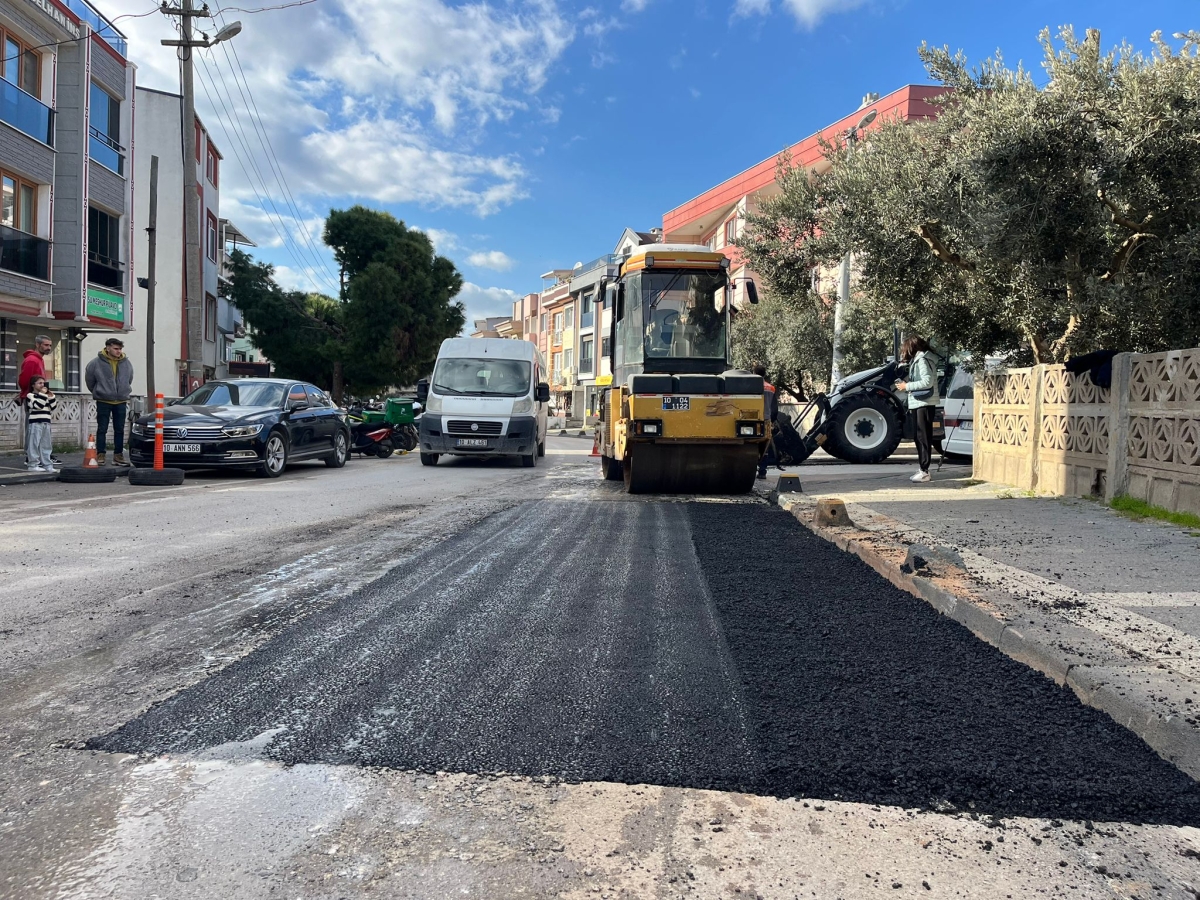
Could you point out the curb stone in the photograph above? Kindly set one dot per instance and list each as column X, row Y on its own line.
column 1144, row 698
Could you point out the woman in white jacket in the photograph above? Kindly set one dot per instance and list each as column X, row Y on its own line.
column 922, row 391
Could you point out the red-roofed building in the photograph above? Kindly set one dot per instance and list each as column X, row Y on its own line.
column 716, row 217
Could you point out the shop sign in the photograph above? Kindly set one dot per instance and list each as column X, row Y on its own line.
column 105, row 305
column 60, row 18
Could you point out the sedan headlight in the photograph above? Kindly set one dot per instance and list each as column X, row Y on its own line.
column 434, row 403
column 521, row 407
column 241, row 430
column 140, row 429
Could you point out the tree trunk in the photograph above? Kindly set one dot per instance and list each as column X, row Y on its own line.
column 339, row 382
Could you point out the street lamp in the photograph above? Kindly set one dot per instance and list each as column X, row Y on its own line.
column 843, row 299
column 193, row 278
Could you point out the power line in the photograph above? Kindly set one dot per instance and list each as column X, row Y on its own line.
column 277, row 222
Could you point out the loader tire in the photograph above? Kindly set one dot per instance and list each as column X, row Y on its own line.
column 863, row 429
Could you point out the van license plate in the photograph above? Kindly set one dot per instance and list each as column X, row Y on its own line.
column 181, row 448
column 966, row 425
column 472, row 442
column 677, row 403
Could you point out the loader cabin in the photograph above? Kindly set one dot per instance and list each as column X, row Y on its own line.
column 670, row 312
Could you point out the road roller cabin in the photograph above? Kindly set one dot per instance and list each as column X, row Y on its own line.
column 675, row 418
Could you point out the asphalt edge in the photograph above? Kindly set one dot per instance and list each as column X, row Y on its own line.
column 1170, row 736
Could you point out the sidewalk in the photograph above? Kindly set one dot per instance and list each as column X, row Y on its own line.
column 13, row 471
column 1103, row 604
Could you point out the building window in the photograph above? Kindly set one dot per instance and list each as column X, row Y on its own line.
column 104, row 250
column 18, row 203
column 568, row 357
column 585, row 356
column 557, row 358
column 543, row 328
column 558, row 322
column 569, row 320
column 212, row 167
column 210, row 317
column 212, row 237
column 606, row 347
column 731, row 231
column 21, row 65
column 105, row 130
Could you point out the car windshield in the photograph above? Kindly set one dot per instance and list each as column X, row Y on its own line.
column 246, row 393
column 684, row 313
column 482, row 377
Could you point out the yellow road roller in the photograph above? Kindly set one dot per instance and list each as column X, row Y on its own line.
column 675, row 418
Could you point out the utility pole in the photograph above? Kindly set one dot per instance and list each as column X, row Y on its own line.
column 193, row 278
column 152, row 259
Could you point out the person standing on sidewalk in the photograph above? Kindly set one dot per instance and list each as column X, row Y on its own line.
column 922, row 397
column 40, row 404
column 110, row 379
column 770, row 410
column 33, row 365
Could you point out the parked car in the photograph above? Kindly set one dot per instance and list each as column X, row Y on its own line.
column 959, row 409
column 254, row 423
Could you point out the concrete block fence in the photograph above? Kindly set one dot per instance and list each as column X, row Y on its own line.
column 1047, row 430
column 74, row 419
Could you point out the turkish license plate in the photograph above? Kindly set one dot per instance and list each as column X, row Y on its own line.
column 677, row 403
column 472, row 442
column 966, row 425
column 181, row 448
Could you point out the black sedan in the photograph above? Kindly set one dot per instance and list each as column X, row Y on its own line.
column 259, row 423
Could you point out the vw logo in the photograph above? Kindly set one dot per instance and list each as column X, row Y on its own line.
column 474, row 426
column 182, row 432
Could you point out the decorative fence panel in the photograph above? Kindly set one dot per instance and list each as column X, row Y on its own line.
column 1141, row 437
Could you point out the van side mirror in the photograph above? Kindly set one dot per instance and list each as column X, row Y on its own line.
column 543, row 393
column 423, row 391
column 751, row 290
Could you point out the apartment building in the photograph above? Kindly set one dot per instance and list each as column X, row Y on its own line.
column 558, row 310
column 66, row 114
column 157, row 132
column 717, row 217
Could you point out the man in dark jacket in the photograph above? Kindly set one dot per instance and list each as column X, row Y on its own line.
column 110, row 379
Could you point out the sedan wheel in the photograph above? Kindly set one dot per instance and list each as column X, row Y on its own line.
column 341, row 450
column 275, row 458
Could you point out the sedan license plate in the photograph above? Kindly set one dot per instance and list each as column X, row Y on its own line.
column 181, row 448
column 472, row 442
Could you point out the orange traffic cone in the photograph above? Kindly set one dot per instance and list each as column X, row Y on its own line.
column 595, row 446
column 89, row 455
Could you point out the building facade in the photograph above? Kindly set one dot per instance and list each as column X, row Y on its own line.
column 157, row 133
column 717, row 217
column 66, row 114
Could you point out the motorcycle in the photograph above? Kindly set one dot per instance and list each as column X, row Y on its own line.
column 380, row 439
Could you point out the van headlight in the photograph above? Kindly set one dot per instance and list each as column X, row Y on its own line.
column 522, row 406
column 241, row 430
column 433, row 403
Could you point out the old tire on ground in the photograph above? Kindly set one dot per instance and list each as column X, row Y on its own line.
column 341, row 451
column 863, row 429
column 429, row 459
column 610, row 469
column 156, row 476
column 87, row 475
column 275, row 456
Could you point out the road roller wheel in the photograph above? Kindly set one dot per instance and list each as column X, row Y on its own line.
column 610, row 468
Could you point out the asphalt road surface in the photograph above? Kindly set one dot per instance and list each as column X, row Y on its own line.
column 485, row 681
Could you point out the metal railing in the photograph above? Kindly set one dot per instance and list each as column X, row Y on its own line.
column 24, row 253
column 609, row 260
column 106, row 151
column 557, row 339
column 26, row 113
column 109, row 273
column 100, row 25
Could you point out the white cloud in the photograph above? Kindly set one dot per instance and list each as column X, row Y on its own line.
column 481, row 302
column 635, row 6
column 443, row 241
column 807, row 12
column 497, row 260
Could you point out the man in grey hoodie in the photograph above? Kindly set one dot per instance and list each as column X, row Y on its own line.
column 110, row 379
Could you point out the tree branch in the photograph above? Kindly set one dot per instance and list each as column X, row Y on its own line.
column 1121, row 258
column 1120, row 218
column 940, row 250
column 1059, row 345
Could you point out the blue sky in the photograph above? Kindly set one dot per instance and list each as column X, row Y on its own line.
column 525, row 135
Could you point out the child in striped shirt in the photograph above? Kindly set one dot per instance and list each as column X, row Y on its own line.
column 40, row 405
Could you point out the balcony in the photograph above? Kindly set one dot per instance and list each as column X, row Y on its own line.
column 26, row 113
column 587, row 319
column 107, row 152
column 586, row 366
column 100, row 25
column 556, row 341
column 105, row 272
column 26, row 254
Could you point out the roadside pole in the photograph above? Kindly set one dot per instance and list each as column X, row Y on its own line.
column 152, row 234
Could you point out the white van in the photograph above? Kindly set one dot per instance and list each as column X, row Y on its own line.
column 487, row 397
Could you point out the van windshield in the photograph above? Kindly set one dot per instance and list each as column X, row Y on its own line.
column 482, row 377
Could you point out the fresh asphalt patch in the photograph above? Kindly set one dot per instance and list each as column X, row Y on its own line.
column 701, row 645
